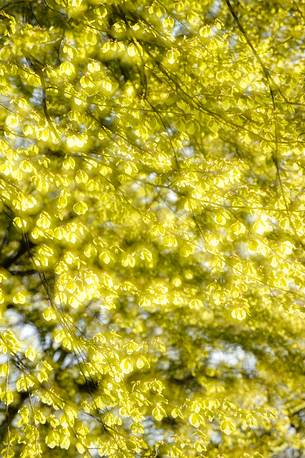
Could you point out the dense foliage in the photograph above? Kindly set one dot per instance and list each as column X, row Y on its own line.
column 152, row 228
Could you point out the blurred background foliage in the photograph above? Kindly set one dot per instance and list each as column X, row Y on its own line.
column 152, row 228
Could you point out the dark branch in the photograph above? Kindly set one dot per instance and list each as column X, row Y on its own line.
column 23, row 248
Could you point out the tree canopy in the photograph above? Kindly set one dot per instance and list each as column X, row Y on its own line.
column 152, row 228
